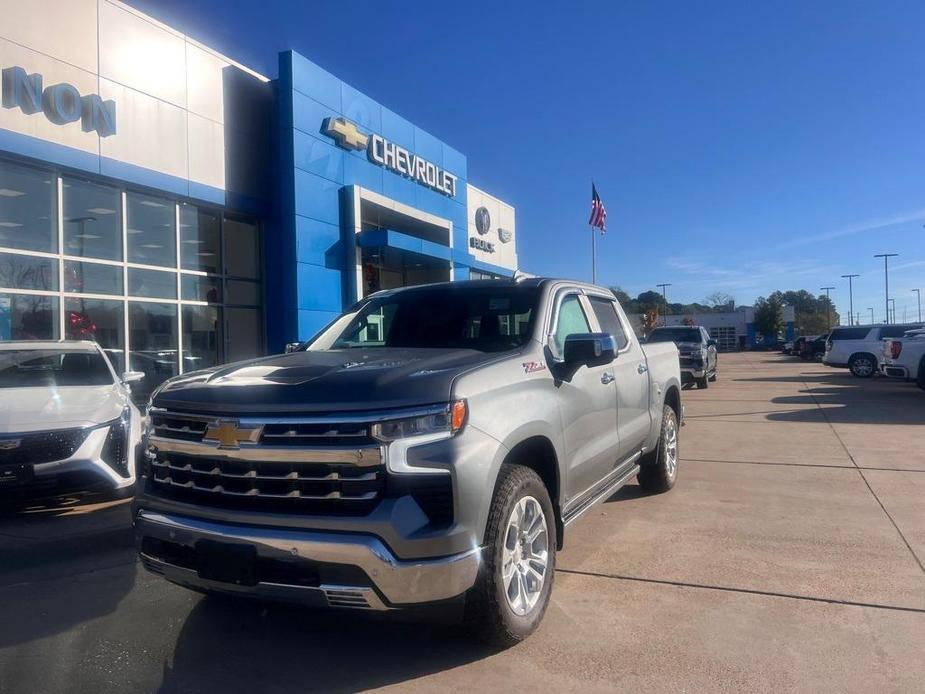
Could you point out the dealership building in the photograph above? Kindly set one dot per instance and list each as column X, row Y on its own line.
column 184, row 210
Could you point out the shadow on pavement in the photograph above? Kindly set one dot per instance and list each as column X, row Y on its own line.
column 229, row 646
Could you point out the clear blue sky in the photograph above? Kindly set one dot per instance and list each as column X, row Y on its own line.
column 738, row 147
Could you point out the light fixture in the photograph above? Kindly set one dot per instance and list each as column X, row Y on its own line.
column 135, row 231
column 151, row 245
column 87, row 236
column 101, row 210
column 10, row 225
column 150, row 203
column 10, row 193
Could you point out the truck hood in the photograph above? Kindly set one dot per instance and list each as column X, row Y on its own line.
column 324, row 381
column 62, row 407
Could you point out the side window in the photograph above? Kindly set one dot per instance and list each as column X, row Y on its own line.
column 607, row 316
column 571, row 320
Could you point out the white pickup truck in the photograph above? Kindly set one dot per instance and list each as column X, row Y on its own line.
column 905, row 357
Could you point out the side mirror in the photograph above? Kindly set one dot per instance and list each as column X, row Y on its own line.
column 293, row 347
column 589, row 349
column 133, row 376
column 711, row 343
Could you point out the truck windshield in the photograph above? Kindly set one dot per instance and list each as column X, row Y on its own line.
column 487, row 319
column 37, row 368
column 674, row 335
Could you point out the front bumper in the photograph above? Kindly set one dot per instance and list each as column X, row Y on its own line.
column 689, row 373
column 316, row 568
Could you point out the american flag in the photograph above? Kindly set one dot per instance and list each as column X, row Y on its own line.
column 598, row 213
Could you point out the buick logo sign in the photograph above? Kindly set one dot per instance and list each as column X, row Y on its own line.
column 505, row 235
column 482, row 220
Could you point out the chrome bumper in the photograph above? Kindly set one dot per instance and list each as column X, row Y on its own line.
column 393, row 582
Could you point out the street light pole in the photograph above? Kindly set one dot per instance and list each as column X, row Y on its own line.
column 828, row 307
column 871, row 309
column 851, row 297
column 886, row 280
column 891, row 311
column 663, row 285
column 918, row 294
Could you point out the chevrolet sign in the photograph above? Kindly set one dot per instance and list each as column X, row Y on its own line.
column 391, row 156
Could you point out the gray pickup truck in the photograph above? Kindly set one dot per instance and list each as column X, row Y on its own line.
column 429, row 446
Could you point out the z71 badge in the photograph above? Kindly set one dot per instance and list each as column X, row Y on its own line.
column 533, row 366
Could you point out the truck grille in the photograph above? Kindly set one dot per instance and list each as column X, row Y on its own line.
column 41, row 447
column 298, row 466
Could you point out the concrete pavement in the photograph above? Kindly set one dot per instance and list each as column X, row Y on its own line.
column 788, row 558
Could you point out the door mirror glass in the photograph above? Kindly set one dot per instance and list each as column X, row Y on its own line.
column 589, row 349
column 293, row 347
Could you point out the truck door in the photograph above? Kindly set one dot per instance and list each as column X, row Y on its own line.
column 632, row 378
column 588, row 404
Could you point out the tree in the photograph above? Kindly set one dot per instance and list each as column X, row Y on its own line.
column 810, row 313
column 769, row 316
column 719, row 300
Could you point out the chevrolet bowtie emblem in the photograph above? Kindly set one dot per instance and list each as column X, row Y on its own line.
column 227, row 434
column 345, row 133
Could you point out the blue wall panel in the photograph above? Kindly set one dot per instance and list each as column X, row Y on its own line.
column 428, row 146
column 313, row 81
column 455, row 162
column 319, row 243
column 318, row 157
column 397, row 129
column 319, row 288
column 316, row 197
column 360, row 172
column 359, row 108
column 308, row 115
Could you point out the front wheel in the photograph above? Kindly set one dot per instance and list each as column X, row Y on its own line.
column 659, row 471
column 515, row 580
column 703, row 383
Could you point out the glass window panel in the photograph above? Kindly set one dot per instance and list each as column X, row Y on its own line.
column 92, row 220
column 92, row 278
column 202, row 337
column 199, row 288
column 245, row 333
column 242, row 249
column 240, row 292
column 28, row 272
column 28, row 211
column 571, row 321
column 153, row 338
column 28, row 317
column 153, row 283
column 151, row 233
column 606, row 314
column 100, row 320
column 200, row 240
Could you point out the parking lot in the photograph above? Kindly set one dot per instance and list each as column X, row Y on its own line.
column 788, row 557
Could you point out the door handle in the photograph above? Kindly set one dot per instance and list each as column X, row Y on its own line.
column 606, row 378
column 642, row 368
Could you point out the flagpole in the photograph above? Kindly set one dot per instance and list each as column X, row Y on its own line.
column 593, row 257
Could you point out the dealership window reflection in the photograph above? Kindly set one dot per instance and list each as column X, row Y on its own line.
column 28, row 317
column 151, row 230
column 200, row 240
column 202, row 337
column 100, row 320
column 28, row 214
column 92, row 220
column 153, row 344
column 19, row 271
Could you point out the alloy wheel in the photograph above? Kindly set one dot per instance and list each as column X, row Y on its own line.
column 525, row 556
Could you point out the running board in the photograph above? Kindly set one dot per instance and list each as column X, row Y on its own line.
column 602, row 489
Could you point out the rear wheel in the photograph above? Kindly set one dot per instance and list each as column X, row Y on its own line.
column 920, row 376
column 863, row 365
column 659, row 471
column 515, row 580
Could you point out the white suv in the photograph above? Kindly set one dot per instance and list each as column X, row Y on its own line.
column 859, row 347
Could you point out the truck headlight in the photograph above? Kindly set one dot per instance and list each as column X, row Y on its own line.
column 449, row 419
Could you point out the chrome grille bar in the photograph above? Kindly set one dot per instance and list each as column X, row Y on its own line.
column 253, row 474
column 367, row 456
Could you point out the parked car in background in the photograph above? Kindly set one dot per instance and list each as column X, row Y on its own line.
column 65, row 417
column 696, row 351
column 798, row 345
column 859, row 348
column 905, row 357
column 813, row 348
column 432, row 443
column 787, row 347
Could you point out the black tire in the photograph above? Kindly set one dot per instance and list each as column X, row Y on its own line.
column 656, row 473
column 703, row 383
column 863, row 365
column 920, row 377
column 488, row 611
column 713, row 377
